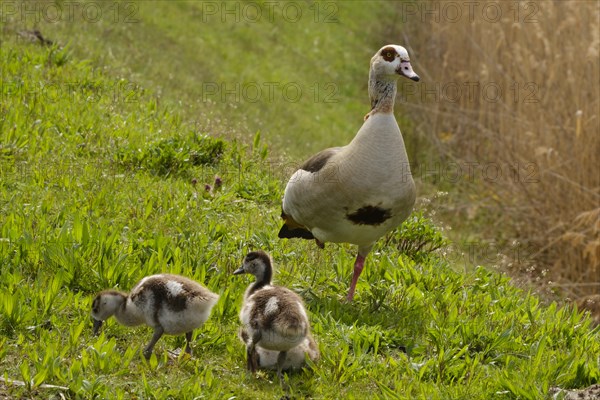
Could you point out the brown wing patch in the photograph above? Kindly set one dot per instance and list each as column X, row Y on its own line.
column 162, row 297
column 369, row 215
column 288, row 319
column 318, row 161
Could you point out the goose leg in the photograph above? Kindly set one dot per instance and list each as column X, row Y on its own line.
column 188, row 339
column 358, row 267
column 158, row 332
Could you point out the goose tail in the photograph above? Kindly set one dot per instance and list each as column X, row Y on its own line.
column 287, row 232
column 292, row 229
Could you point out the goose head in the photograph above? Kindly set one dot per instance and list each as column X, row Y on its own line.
column 392, row 61
column 258, row 264
column 105, row 305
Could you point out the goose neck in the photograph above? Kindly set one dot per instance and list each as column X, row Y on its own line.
column 262, row 279
column 382, row 92
column 127, row 313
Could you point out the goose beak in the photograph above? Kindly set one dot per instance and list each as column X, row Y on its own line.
column 239, row 271
column 406, row 70
column 97, row 325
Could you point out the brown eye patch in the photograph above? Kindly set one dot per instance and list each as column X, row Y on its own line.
column 388, row 53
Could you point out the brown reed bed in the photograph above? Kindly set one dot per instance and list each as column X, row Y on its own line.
column 510, row 101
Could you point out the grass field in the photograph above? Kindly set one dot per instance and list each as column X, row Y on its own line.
column 295, row 71
column 103, row 181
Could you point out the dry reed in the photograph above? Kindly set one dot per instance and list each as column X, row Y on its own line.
column 510, row 97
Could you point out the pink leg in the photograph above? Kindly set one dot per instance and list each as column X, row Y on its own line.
column 358, row 267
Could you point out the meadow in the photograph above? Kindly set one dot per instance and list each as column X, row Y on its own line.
column 107, row 174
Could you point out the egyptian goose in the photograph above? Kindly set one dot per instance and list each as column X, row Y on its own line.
column 273, row 317
column 171, row 304
column 359, row 192
column 295, row 358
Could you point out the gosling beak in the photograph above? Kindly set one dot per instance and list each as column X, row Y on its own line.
column 239, row 271
column 406, row 70
column 97, row 325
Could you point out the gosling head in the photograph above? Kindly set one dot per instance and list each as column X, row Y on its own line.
column 392, row 61
column 105, row 305
column 258, row 264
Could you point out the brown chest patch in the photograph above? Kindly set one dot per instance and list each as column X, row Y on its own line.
column 369, row 215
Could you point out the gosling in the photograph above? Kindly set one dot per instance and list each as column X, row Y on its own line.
column 273, row 317
column 171, row 304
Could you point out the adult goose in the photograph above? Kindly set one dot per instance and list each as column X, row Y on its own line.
column 171, row 304
column 273, row 317
column 359, row 192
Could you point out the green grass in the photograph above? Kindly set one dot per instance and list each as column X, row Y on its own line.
column 297, row 71
column 98, row 190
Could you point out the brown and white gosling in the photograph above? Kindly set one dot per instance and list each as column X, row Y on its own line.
column 171, row 304
column 273, row 317
column 295, row 358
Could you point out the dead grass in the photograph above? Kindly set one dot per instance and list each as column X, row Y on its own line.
column 510, row 98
